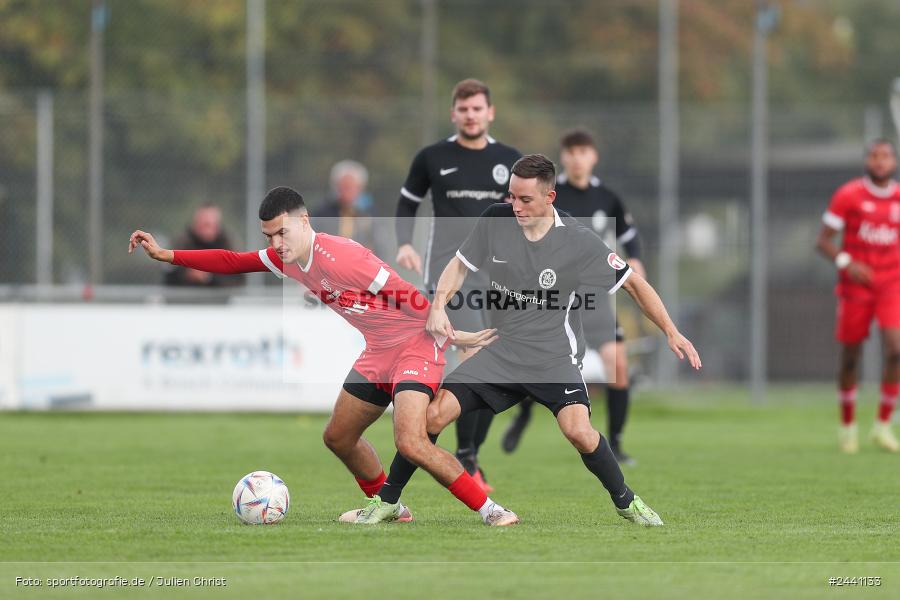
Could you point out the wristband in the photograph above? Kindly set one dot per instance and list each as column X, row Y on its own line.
column 842, row 260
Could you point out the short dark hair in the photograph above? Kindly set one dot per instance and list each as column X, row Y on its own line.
column 468, row 88
column 577, row 137
column 881, row 141
column 536, row 166
column 278, row 201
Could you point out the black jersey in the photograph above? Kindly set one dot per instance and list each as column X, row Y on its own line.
column 598, row 208
column 532, row 285
column 463, row 182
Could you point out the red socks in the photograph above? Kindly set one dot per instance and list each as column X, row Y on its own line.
column 371, row 487
column 848, row 404
column 888, row 401
column 467, row 490
column 889, row 392
column 464, row 487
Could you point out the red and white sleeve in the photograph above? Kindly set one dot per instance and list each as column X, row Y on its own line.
column 221, row 261
column 370, row 274
column 836, row 214
column 404, row 295
column 272, row 261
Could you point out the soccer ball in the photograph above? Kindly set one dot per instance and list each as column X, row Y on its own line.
column 260, row 498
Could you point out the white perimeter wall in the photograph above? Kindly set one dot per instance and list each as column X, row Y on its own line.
column 163, row 357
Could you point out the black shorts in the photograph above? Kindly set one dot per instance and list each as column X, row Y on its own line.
column 357, row 385
column 488, row 381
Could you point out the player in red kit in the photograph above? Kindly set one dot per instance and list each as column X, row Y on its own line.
column 401, row 363
column 867, row 211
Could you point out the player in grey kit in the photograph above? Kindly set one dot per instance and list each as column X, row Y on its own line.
column 583, row 195
column 536, row 259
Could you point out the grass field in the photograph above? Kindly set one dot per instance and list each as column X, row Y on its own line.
column 757, row 503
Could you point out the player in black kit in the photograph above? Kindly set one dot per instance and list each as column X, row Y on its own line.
column 466, row 173
column 536, row 260
column 583, row 195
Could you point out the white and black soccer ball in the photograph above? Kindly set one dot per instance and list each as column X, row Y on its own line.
column 260, row 498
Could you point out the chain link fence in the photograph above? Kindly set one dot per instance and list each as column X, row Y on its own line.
column 168, row 151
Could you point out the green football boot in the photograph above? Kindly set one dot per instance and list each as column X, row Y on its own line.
column 378, row 511
column 640, row 513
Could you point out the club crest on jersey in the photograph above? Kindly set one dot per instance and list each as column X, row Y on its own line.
column 501, row 174
column 615, row 261
column 547, row 279
column 333, row 293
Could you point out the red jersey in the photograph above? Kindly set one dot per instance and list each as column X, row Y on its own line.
column 346, row 276
column 869, row 216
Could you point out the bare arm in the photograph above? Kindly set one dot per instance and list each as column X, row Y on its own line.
column 452, row 278
column 407, row 257
column 859, row 272
column 637, row 266
column 652, row 306
column 825, row 243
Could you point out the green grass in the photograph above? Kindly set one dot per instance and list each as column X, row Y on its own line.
column 757, row 503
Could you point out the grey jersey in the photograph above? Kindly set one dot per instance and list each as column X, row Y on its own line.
column 532, row 284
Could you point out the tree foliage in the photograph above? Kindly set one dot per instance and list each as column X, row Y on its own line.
column 344, row 79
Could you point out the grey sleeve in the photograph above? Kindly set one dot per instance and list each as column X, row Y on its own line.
column 600, row 266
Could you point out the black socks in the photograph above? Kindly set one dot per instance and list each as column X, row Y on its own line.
column 472, row 428
column 401, row 472
column 485, row 418
column 617, row 412
column 602, row 463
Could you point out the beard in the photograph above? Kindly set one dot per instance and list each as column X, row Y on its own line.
column 879, row 179
column 471, row 136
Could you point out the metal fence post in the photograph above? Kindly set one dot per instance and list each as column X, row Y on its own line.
column 44, row 218
column 669, row 223
column 766, row 17
column 256, row 122
column 95, row 144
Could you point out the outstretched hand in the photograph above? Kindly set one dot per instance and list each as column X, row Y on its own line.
column 682, row 347
column 478, row 339
column 153, row 250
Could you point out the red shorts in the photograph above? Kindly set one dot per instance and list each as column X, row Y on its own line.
column 858, row 304
column 417, row 364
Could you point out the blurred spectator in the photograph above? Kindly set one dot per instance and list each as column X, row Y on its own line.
column 346, row 211
column 204, row 233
